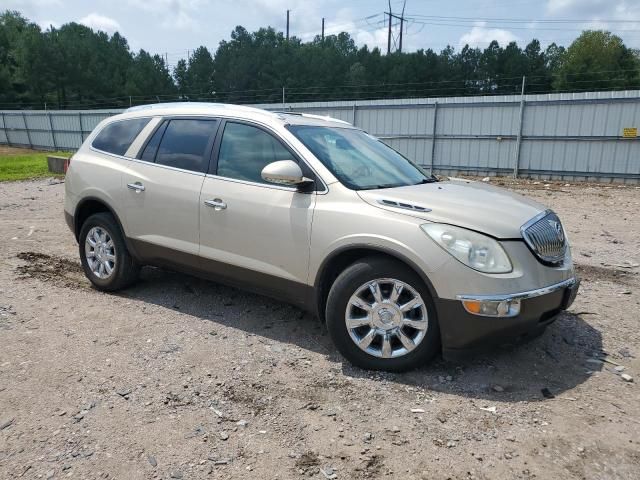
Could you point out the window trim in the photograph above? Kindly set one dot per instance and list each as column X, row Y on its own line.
column 108, row 124
column 206, row 156
column 146, row 142
column 320, row 185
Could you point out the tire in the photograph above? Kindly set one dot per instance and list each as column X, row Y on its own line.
column 120, row 269
column 386, row 319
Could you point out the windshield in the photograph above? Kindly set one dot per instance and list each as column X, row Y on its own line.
column 358, row 160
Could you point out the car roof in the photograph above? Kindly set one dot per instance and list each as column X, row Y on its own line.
column 238, row 111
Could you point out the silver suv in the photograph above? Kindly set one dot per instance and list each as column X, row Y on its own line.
column 318, row 213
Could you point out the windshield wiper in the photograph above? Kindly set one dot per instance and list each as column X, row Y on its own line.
column 386, row 185
column 395, row 185
column 427, row 180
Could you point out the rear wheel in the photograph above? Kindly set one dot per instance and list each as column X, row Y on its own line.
column 105, row 259
column 381, row 316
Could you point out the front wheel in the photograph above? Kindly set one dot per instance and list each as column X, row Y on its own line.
column 381, row 316
column 105, row 259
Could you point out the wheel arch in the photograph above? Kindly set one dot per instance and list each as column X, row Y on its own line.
column 91, row 205
column 343, row 257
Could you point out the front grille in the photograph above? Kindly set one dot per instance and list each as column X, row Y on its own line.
column 545, row 237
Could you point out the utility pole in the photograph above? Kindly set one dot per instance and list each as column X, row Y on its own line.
column 323, row 30
column 287, row 25
column 402, row 24
column 389, row 34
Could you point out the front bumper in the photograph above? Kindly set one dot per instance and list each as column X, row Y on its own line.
column 464, row 333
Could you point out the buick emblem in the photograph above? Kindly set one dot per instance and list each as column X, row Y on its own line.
column 558, row 229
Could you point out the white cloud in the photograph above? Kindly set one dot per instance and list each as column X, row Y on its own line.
column 176, row 14
column 30, row 8
column 375, row 38
column 481, row 36
column 100, row 22
column 364, row 31
column 45, row 24
column 306, row 22
column 584, row 7
column 597, row 14
column 28, row 4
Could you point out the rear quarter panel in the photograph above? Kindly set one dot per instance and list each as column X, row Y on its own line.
column 95, row 175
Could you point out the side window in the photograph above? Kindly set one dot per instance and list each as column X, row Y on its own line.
column 149, row 153
column 118, row 136
column 246, row 150
column 184, row 144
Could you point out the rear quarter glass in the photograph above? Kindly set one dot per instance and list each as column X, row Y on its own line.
column 118, row 136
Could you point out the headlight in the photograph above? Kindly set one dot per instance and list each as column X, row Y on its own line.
column 475, row 250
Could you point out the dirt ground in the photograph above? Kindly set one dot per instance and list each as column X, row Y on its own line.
column 182, row 378
column 6, row 150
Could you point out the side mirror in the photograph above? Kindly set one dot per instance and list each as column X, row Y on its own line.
column 284, row 172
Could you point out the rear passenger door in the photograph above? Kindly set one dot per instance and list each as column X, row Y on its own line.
column 162, row 187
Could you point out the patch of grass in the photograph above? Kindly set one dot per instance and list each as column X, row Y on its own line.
column 26, row 166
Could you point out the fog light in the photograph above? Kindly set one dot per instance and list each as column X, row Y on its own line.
column 492, row 308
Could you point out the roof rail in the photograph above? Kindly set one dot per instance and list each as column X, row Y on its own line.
column 169, row 105
column 326, row 118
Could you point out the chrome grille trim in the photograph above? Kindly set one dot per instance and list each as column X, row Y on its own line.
column 544, row 234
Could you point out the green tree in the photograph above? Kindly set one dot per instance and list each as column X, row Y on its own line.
column 148, row 76
column 199, row 74
column 597, row 60
column 74, row 66
column 14, row 28
column 180, row 76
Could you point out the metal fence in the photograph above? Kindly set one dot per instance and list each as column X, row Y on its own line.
column 577, row 136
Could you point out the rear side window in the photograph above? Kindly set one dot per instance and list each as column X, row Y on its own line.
column 118, row 136
column 246, row 150
column 184, row 144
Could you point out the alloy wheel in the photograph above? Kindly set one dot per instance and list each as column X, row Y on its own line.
column 100, row 252
column 386, row 318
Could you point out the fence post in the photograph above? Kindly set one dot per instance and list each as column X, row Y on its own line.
column 433, row 137
column 53, row 135
column 6, row 131
column 516, row 160
column 26, row 129
column 80, row 124
column 354, row 114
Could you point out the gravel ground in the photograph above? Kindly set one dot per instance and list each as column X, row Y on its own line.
column 182, row 378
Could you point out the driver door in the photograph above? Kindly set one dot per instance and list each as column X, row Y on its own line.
column 253, row 232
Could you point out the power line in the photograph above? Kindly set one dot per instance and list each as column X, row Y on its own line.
column 522, row 20
column 510, row 27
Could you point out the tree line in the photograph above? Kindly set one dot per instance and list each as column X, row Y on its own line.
column 76, row 67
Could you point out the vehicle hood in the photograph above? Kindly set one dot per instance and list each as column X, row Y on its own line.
column 469, row 204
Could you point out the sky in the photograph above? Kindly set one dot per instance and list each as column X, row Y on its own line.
column 175, row 27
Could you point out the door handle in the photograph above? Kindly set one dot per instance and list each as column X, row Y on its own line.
column 216, row 203
column 138, row 187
